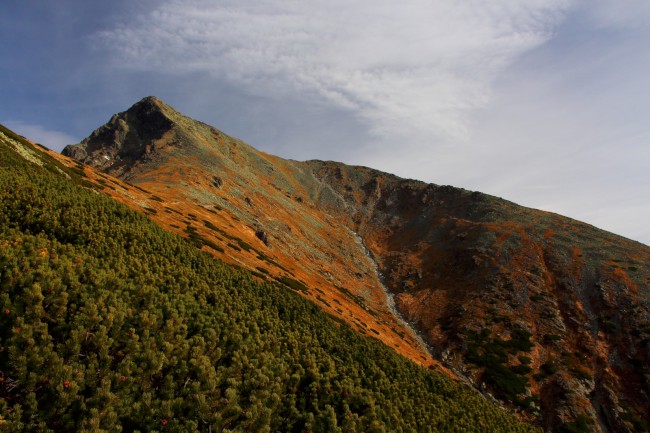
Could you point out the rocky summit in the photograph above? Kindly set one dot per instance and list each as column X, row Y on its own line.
column 545, row 315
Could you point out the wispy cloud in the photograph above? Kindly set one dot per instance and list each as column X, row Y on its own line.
column 407, row 69
column 53, row 139
column 538, row 101
column 567, row 128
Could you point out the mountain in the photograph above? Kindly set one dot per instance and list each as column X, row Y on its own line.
column 109, row 323
column 545, row 314
column 248, row 208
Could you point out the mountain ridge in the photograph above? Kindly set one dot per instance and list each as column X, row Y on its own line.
column 547, row 313
column 255, row 221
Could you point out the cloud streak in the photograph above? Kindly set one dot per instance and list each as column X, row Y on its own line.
column 407, row 70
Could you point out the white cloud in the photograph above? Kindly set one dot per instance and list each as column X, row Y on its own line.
column 55, row 140
column 567, row 129
column 407, row 69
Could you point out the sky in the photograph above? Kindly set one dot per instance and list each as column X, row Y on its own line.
column 542, row 102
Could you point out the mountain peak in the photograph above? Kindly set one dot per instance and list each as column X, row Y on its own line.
column 150, row 132
column 150, row 100
column 148, row 106
column 127, row 137
column 153, row 103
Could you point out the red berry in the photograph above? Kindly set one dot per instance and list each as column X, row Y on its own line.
column 164, row 421
column 123, row 378
column 66, row 384
column 154, row 345
column 7, row 312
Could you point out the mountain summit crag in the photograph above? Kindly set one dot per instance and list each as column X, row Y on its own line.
column 126, row 139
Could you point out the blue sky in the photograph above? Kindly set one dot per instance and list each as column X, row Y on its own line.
column 542, row 102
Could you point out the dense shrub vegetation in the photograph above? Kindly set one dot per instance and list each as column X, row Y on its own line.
column 509, row 382
column 109, row 323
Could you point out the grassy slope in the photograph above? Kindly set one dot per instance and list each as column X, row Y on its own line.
column 226, row 195
column 109, row 323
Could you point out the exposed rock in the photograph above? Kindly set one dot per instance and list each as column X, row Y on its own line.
column 261, row 235
column 217, row 182
column 127, row 138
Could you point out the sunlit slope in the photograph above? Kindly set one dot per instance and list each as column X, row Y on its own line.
column 109, row 323
column 247, row 208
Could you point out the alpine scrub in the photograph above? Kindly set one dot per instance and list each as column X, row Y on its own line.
column 109, row 323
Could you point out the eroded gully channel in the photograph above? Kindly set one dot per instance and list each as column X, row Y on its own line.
column 410, row 327
column 390, row 300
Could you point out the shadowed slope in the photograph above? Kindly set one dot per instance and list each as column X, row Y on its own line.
column 542, row 310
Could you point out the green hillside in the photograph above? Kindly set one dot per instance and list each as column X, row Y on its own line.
column 109, row 323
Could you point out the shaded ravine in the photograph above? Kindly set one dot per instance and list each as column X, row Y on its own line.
column 390, row 300
column 416, row 334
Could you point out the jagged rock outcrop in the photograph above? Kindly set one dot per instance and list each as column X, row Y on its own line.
column 127, row 138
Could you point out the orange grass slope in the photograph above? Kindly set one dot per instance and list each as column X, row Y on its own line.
column 247, row 209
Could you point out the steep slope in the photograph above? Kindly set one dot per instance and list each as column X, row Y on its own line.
column 545, row 313
column 247, row 208
column 108, row 323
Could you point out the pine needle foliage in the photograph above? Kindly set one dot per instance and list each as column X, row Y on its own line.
column 108, row 323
